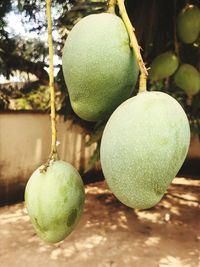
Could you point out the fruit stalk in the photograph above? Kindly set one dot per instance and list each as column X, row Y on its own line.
column 54, row 153
column 134, row 44
column 111, row 6
column 176, row 44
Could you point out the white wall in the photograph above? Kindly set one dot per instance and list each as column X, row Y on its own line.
column 25, row 142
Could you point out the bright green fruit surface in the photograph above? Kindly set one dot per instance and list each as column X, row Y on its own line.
column 188, row 24
column 54, row 200
column 188, row 79
column 98, row 65
column 163, row 66
column 143, row 146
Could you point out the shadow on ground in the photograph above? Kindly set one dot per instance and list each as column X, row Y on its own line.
column 110, row 234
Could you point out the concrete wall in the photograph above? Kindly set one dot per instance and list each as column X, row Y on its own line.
column 25, row 141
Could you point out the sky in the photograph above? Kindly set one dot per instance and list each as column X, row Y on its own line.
column 14, row 20
column 15, row 26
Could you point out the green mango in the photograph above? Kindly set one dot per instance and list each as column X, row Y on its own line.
column 188, row 78
column 99, row 67
column 188, row 24
column 163, row 66
column 54, row 200
column 143, row 146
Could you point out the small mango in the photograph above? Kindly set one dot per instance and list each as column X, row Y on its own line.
column 188, row 24
column 54, row 200
column 188, row 78
column 163, row 66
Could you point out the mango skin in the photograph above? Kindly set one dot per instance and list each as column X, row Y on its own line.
column 188, row 78
column 143, row 146
column 54, row 200
column 163, row 66
column 99, row 68
column 188, row 24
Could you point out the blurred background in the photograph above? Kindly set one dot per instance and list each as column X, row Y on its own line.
column 166, row 235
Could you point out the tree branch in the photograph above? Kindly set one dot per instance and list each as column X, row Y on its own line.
column 16, row 90
column 16, row 62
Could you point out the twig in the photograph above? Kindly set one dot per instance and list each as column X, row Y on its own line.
column 54, row 154
column 111, row 6
column 176, row 44
column 134, row 45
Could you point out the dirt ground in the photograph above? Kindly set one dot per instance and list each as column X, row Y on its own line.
column 110, row 234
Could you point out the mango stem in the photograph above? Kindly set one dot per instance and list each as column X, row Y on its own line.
column 111, row 6
column 135, row 46
column 54, row 154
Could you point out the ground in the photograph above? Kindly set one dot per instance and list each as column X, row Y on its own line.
column 111, row 234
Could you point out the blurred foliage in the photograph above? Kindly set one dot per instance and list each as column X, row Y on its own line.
column 94, row 158
column 5, row 7
column 95, row 137
column 36, row 100
column 32, row 49
column 4, row 102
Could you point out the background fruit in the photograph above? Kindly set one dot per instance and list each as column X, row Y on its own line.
column 54, row 200
column 143, row 146
column 188, row 24
column 163, row 66
column 188, row 78
column 98, row 65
